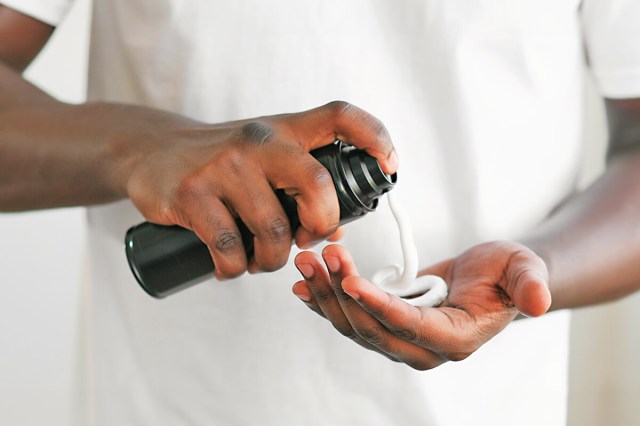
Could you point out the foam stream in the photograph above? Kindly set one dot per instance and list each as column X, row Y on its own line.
column 430, row 290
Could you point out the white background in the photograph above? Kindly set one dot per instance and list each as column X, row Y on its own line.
column 41, row 258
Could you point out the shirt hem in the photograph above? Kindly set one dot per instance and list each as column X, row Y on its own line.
column 51, row 13
column 618, row 84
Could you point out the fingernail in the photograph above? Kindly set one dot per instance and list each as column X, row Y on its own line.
column 333, row 263
column 302, row 295
column 306, row 270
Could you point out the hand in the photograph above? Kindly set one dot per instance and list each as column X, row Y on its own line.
column 488, row 285
column 202, row 177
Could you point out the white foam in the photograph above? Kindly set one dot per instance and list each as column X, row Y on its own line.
column 429, row 290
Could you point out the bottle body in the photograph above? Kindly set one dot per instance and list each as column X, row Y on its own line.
column 167, row 259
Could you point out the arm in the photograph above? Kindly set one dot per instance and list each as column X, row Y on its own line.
column 174, row 169
column 21, row 38
column 591, row 244
column 588, row 251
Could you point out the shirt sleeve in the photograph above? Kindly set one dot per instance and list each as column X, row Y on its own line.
column 49, row 11
column 612, row 37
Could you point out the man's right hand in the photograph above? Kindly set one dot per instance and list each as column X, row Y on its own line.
column 202, row 177
column 175, row 170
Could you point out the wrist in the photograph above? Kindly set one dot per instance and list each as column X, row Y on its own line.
column 130, row 135
column 121, row 148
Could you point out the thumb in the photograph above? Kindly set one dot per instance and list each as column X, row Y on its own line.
column 527, row 283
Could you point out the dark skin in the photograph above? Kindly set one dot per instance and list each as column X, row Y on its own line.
column 21, row 38
column 86, row 154
column 586, row 252
column 174, row 169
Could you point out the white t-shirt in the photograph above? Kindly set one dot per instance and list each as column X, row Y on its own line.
column 484, row 102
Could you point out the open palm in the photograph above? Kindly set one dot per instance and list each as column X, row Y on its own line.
column 488, row 285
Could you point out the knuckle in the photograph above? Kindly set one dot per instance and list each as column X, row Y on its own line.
column 231, row 160
column 255, row 133
column 406, row 334
column 323, row 296
column 226, row 240
column 318, row 177
column 277, row 229
column 191, row 187
column 339, row 108
column 374, row 335
column 518, row 274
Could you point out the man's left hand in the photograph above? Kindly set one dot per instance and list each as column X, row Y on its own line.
column 488, row 285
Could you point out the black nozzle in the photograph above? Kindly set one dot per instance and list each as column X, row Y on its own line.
column 357, row 177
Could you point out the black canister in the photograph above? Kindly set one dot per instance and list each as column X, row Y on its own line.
column 167, row 259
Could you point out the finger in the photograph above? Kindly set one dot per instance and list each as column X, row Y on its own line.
column 526, row 283
column 341, row 266
column 210, row 219
column 309, row 182
column 317, row 281
column 306, row 240
column 302, row 291
column 337, row 236
column 341, row 120
column 448, row 332
column 259, row 208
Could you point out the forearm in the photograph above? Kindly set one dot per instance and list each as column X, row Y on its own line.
column 54, row 154
column 591, row 244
